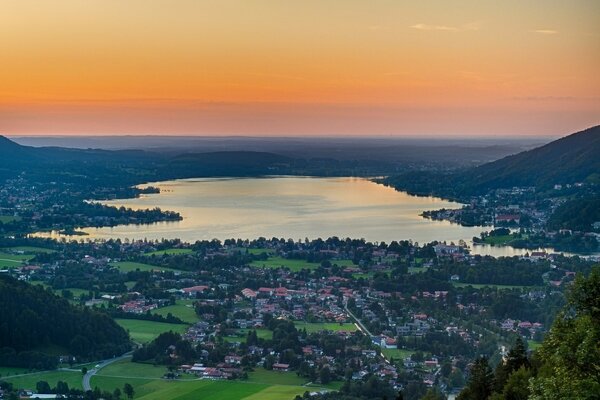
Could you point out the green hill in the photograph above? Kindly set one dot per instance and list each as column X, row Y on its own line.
column 34, row 318
column 571, row 159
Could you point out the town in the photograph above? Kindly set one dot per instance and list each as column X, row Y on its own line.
column 331, row 314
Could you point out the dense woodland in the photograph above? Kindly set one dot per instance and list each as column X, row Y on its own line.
column 32, row 318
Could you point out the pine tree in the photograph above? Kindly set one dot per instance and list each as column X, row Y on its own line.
column 480, row 382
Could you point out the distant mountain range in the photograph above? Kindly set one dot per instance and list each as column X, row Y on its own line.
column 574, row 158
column 571, row 159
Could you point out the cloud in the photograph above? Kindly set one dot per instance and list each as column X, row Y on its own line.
column 472, row 26
column 545, row 31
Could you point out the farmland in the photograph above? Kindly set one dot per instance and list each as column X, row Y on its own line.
column 127, row 266
column 28, row 381
column 169, row 252
column 312, row 327
column 183, row 309
column 149, row 385
column 145, row 331
column 292, row 264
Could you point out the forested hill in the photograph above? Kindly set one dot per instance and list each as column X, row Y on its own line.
column 32, row 318
column 574, row 158
column 226, row 163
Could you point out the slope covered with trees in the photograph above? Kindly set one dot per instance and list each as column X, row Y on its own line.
column 566, row 366
column 33, row 318
column 571, row 159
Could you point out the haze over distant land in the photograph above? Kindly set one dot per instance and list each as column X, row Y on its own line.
column 238, row 67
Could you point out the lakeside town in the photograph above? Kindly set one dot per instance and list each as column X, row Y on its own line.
column 338, row 314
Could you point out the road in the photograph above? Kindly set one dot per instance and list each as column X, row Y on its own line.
column 87, row 377
column 358, row 323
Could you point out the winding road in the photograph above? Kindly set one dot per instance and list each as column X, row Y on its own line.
column 88, row 376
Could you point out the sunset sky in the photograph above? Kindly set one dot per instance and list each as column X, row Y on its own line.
column 276, row 67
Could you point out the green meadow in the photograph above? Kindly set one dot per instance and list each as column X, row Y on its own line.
column 5, row 219
column 482, row 285
column 127, row 266
column 148, row 384
column 312, row 327
column 28, row 381
column 277, row 262
column 145, row 331
column 169, row 252
column 9, row 260
column 183, row 309
column 397, row 354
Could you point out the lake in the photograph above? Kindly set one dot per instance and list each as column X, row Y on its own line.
column 291, row 207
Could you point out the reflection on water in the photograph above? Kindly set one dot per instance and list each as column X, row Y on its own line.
column 291, row 207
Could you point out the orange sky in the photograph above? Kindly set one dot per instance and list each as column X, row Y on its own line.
column 277, row 67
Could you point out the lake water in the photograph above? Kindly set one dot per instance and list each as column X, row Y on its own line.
column 291, row 207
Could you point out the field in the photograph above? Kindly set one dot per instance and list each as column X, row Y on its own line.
column 6, row 371
column 126, row 266
column 5, row 219
column 183, row 310
column 148, row 385
column 533, row 345
column 8, row 260
column 482, row 285
column 276, row 262
column 259, row 251
column 169, row 252
column 29, row 249
column 28, row 381
column 241, row 335
column 500, row 240
column 312, row 327
column 145, row 331
column 397, row 354
column 343, row 263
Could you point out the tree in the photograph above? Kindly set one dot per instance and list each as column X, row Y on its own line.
column 84, row 370
column 570, row 354
column 325, row 375
column 128, row 390
column 43, row 387
column 517, row 385
column 117, row 393
column 433, row 394
column 480, row 382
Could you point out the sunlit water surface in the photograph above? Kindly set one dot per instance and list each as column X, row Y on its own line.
column 291, row 207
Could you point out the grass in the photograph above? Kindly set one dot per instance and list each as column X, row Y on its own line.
column 260, row 251
column 533, row 345
column 8, row 260
column 344, row 263
column 127, row 266
column 5, row 219
column 241, row 334
column 397, row 354
column 500, row 240
column 127, row 368
column 158, row 389
column 169, row 252
column 313, row 327
column 261, row 375
column 184, row 310
column 145, row 331
column 277, row 262
column 30, row 249
column 489, row 285
column 7, row 371
column 148, row 385
column 28, row 381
